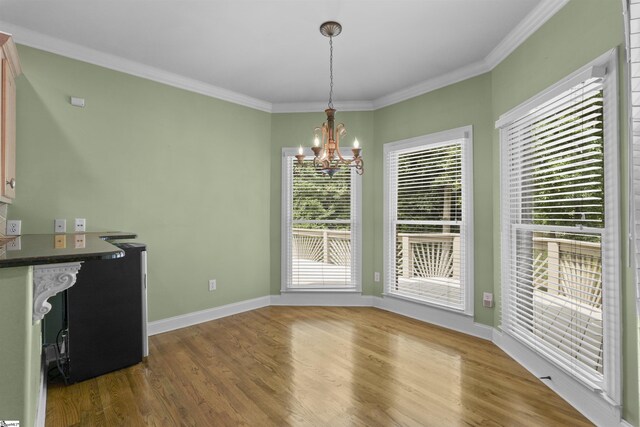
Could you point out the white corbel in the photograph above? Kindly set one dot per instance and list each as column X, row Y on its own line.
column 49, row 280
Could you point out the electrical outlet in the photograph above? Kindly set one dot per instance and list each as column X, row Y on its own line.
column 487, row 299
column 59, row 225
column 15, row 244
column 14, row 227
column 376, row 276
column 212, row 284
column 81, row 224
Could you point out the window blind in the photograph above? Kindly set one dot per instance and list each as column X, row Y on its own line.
column 427, row 241
column 320, row 228
column 555, row 230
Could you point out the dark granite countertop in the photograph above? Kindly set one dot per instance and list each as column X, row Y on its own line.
column 37, row 249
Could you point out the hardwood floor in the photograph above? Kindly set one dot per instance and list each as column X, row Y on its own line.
column 281, row 366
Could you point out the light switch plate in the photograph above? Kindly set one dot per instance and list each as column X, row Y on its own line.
column 59, row 225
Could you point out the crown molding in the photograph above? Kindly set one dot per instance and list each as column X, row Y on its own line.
column 529, row 25
column 314, row 107
column 534, row 20
column 441, row 81
column 37, row 40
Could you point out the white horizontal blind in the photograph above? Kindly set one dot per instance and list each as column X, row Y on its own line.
column 427, row 231
column 555, row 229
column 321, row 228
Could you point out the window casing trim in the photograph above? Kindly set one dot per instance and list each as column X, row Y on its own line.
column 606, row 66
column 286, row 194
column 434, row 140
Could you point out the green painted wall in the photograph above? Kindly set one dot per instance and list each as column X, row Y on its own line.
column 20, row 349
column 462, row 104
column 577, row 34
column 184, row 171
column 293, row 130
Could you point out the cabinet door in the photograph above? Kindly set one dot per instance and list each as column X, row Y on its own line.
column 8, row 131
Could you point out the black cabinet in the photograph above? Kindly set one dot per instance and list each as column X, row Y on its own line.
column 106, row 315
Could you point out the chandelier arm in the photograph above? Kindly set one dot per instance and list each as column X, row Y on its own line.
column 342, row 159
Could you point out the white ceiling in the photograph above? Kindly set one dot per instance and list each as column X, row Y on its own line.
column 270, row 55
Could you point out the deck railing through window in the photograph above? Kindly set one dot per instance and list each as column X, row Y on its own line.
column 321, row 258
column 428, row 267
column 322, row 245
column 567, row 277
column 567, row 297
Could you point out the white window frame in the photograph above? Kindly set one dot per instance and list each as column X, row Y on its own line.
column 288, row 154
column 632, row 43
column 467, row 265
column 612, row 347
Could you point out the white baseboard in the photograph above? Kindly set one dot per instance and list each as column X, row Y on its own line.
column 587, row 402
column 41, row 410
column 327, row 299
column 182, row 321
column 436, row 316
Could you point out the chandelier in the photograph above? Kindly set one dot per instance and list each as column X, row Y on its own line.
column 326, row 138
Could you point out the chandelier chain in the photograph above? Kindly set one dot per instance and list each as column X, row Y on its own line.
column 330, row 72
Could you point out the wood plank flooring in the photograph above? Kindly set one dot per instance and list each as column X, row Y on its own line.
column 313, row 366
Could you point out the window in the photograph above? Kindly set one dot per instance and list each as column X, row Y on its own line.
column 320, row 226
column 560, row 226
column 428, row 218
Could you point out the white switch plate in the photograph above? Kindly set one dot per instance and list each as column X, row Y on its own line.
column 14, row 227
column 59, row 225
column 376, row 276
column 80, row 225
column 212, row 284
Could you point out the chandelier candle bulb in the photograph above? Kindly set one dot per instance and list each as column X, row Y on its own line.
column 300, row 156
column 356, row 149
